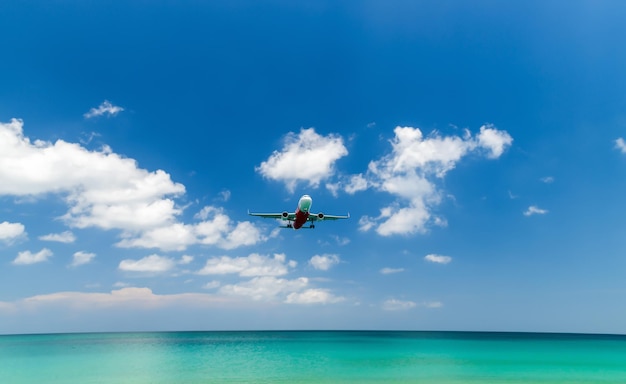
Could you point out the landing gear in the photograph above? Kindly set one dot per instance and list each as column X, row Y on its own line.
column 312, row 226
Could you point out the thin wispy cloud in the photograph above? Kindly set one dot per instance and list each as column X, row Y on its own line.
column 63, row 237
column 149, row 264
column 547, row 179
column 252, row 265
column 398, row 305
column 389, row 271
column 212, row 284
column 313, row 296
column 106, row 108
column 438, row 259
column 535, row 210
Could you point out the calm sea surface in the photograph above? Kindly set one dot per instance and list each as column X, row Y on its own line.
column 312, row 357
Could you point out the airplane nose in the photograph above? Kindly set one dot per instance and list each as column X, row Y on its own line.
column 305, row 203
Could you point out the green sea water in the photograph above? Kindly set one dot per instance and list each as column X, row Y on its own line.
column 312, row 357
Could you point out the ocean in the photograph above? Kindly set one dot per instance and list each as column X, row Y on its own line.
column 312, row 357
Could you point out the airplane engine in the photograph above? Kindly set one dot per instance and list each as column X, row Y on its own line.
column 320, row 216
column 285, row 214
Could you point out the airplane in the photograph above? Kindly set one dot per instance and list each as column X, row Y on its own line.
column 302, row 214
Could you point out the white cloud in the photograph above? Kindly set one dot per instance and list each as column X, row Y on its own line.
column 534, row 210
column 152, row 263
column 106, row 190
column 366, row 223
column 356, row 183
column 186, row 259
column 398, row 305
column 272, row 288
column 407, row 220
column 313, row 296
column 173, row 237
column 216, row 229
column 11, row 231
column 432, row 304
column 620, row 144
column 81, row 258
column 341, row 240
column 547, row 179
column 389, row 271
column 63, row 237
column 27, row 257
column 102, row 189
column 494, row 140
column 266, row 288
column 323, row 262
column 252, row 265
column 126, row 297
column 106, row 108
column 439, row 259
column 305, row 157
column 212, row 284
column 410, row 172
column 225, row 195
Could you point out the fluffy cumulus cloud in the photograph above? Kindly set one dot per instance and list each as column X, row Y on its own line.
column 106, row 108
column 324, row 262
column 82, row 258
column 305, row 157
column 265, row 288
column 216, row 229
column 620, row 144
column 410, row 173
column 27, row 257
column 105, row 190
column 265, row 283
column 494, row 141
column 252, row 265
column 535, row 210
column 271, row 288
column 11, row 231
column 438, row 259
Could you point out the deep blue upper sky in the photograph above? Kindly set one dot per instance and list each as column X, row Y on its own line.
column 248, row 105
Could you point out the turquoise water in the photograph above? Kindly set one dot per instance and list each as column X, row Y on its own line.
column 312, row 357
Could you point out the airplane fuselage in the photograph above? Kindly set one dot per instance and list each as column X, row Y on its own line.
column 302, row 211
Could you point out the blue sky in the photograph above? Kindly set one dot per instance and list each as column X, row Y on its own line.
column 478, row 147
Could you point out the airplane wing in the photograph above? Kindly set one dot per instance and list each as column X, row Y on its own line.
column 322, row 216
column 282, row 215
